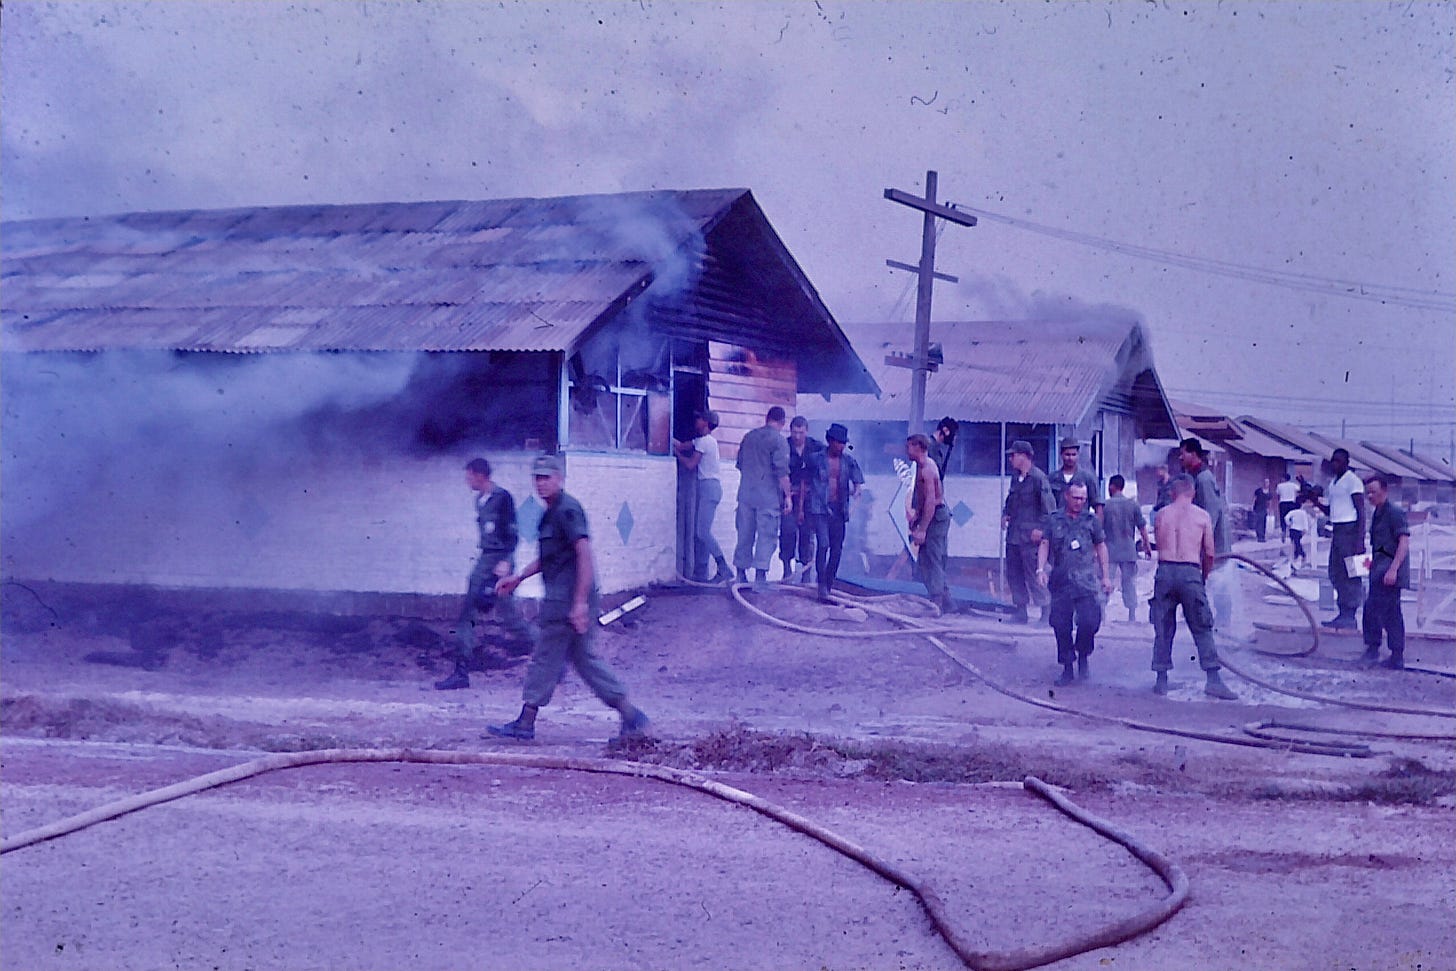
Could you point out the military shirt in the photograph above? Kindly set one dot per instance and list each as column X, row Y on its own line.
column 1060, row 486
column 1207, row 497
column 849, row 476
column 562, row 524
column 1072, row 552
column 495, row 514
column 1388, row 524
column 1121, row 519
column 763, row 458
column 940, row 455
column 799, row 473
column 1028, row 503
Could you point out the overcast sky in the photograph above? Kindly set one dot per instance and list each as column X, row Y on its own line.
column 1287, row 138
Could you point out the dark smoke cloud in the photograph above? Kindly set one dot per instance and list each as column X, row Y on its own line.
column 143, row 425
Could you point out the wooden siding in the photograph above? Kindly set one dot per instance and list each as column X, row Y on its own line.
column 742, row 386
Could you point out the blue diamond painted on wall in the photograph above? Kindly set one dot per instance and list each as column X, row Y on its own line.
column 961, row 514
column 624, row 523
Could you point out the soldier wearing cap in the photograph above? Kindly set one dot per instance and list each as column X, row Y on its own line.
column 834, row 479
column 1069, row 473
column 1074, row 546
column 1028, row 503
column 568, row 612
column 943, row 443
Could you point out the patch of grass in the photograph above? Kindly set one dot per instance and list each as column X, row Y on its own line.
column 737, row 748
column 1405, row 782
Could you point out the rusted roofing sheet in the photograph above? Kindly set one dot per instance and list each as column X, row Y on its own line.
column 1019, row 371
column 505, row 274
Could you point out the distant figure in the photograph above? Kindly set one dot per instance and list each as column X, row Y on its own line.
column 1165, row 488
column 834, row 481
column 763, row 496
column 929, row 521
column 1069, row 473
column 568, row 612
column 1075, row 546
column 1261, row 510
column 701, row 457
column 1184, row 533
column 944, row 444
column 1389, row 575
column 1194, row 459
column 796, row 534
column 1028, row 503
column 1288, row 493
column 495, row 515
column 1345, row 500
column 1300, row 522
column 1122, row 520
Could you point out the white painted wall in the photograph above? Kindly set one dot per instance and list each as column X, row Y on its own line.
column 400, row 525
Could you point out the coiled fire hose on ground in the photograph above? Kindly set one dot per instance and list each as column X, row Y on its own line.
column 978, row 960
column 1253, row 736
column 1023, row 958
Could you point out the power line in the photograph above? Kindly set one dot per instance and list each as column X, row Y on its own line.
column 1419, row 299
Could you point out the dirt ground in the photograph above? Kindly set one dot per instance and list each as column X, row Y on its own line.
column 1295, row 861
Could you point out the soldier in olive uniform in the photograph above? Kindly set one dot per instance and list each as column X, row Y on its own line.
column 568, row 612
column 1071, row 473
column 1075, row 546
column 495, row 514
column 1028, row 503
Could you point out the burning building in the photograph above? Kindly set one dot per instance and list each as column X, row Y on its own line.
column 283, row 398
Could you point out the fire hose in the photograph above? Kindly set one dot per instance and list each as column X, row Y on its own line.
column 1258, row 735
column 994, row 630
column 978, row 960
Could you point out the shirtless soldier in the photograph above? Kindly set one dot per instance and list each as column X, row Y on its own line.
column 1184, row 535
column 929, row 520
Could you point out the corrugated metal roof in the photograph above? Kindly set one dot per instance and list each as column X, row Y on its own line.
column 1254, row 442
column 1015, row 371
column 1441, row 471
column 1361, row 456
column 1418, row 469
column 505, row 274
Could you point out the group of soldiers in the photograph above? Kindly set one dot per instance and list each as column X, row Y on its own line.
column 794, row 498
column 567, row 620
column 1063, row 542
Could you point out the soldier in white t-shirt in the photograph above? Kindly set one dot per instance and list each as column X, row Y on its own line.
column 700, row 455
column 1345, row 500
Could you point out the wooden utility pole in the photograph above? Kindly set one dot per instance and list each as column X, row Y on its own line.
column 926, row 270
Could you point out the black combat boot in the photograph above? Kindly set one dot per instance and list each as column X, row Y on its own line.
column 459, row 678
